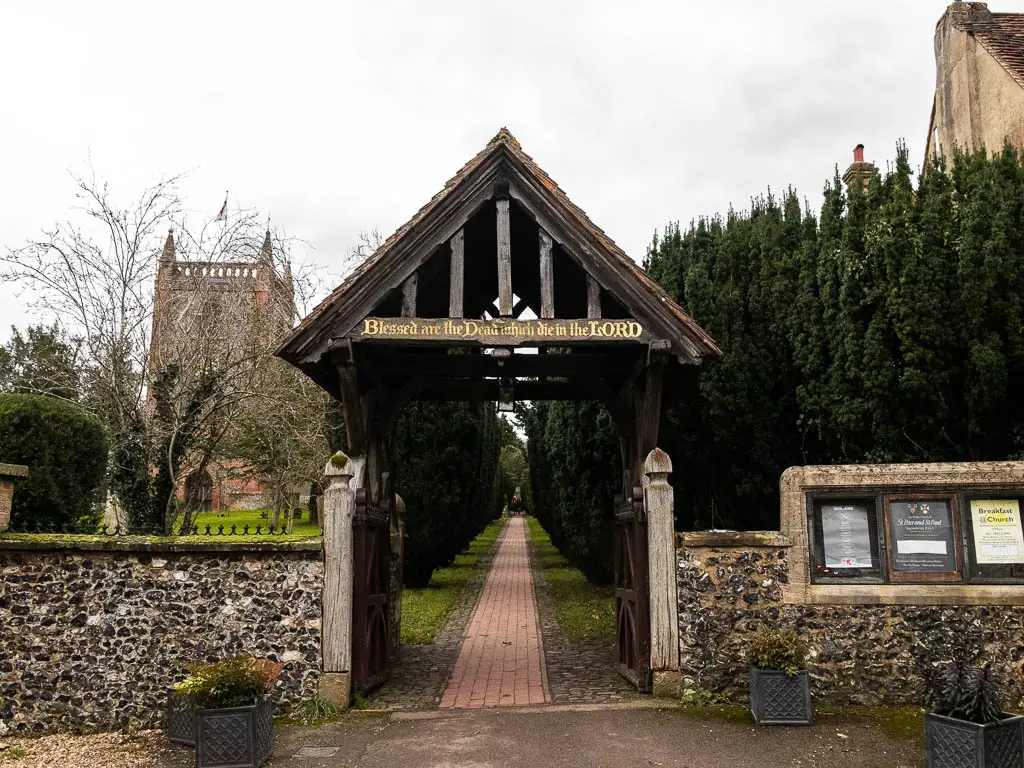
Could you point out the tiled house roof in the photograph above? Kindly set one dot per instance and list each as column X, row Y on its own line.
column 1002, row 35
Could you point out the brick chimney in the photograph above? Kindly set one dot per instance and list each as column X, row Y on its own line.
column 966, row 100
column 859, row 171
column 966, row 14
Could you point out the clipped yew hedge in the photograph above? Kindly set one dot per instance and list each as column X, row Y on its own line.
column 65, row 450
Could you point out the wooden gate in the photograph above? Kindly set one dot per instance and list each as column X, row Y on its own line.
column 371, row 550
column 632, row 600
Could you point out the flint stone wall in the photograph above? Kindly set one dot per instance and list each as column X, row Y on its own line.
column 859, row 654
column 92, row 634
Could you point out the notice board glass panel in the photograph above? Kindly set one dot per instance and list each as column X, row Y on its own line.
column 924, row 542
column 994, row 536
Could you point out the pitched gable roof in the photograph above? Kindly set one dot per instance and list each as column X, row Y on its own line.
column 1004, row 39
column 1001, row 34
column 308, row 333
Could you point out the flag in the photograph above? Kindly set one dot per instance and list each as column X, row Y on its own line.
column 223, row 209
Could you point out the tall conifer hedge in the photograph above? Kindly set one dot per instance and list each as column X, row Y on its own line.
column 449, row 476
column 889, row 327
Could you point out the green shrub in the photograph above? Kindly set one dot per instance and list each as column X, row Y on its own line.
column 967, row 692
column 778, row 649
column 575, row 472
column 229, row 683
column 447, row 472
column 65, row 450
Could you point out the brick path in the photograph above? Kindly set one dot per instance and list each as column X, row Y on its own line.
column 501, row 663
column 420, row 676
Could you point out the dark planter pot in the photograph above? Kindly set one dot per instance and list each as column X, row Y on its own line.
column 240, row 737
column 181, row 719
column 778, row 699
column 953, row 743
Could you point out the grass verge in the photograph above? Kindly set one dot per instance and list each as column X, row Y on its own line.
column 301, row 529
column 425, row 610
column 895, row 722
column 586, row 611
column 12, row 753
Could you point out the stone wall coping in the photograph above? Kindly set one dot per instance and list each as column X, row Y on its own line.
column 920, row 595
column 733, row 539
column 13, row 470
column 78, row 543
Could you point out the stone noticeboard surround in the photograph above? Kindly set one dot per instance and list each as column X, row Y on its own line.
column 93, row 631
column 869, row 643
column 7, row 474
column 798, row 481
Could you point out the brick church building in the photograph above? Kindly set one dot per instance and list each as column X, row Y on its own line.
column 242, row 307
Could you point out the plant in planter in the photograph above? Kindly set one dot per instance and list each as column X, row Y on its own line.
column 780, row 690
column 967, row 725
column 234, row 716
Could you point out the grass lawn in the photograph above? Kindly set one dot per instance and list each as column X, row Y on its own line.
column 425, row 610
column 302, row 529
column 585, row 610
column 239, row 518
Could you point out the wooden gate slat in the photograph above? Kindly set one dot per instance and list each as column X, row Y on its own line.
column 632, row 601
column 370, row 598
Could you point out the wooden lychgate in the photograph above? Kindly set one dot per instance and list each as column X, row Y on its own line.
column 499, row 289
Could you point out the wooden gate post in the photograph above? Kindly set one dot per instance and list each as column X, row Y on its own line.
column 661, row 546
column 397, row 576
column 336, row 638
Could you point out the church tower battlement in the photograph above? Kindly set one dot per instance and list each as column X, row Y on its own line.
column 243, row 296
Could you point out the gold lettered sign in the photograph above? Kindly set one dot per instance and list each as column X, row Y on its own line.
column 501, row 331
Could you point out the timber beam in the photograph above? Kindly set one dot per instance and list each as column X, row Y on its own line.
column 486, row 366
column 504, row 251
column 489, row 391
column 352, row 405
column 456, row 287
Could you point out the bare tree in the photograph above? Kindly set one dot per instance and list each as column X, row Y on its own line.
column 168, row 406
column 280, row 435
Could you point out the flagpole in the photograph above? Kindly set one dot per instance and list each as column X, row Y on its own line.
column 223, row 215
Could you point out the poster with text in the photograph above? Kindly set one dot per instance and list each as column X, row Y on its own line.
column 846, row 536
column 922, row 536
column 998, row 537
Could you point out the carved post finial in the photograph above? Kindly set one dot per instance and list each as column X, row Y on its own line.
column 338, row 466
column 658, row 464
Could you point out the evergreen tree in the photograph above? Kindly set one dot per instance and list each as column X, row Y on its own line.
column 889, row 328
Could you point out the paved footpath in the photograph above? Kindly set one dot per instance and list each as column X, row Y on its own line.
column 588, row 736
column 501, row 663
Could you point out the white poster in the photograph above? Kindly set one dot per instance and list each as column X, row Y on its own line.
column 847, row 537
column 998, row 537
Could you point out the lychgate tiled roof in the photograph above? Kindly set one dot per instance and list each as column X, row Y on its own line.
column 505, row 140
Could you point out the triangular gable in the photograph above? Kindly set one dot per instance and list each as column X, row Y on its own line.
column 1001, row 34
column 502, row 160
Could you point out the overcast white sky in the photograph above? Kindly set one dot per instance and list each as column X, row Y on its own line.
column 337, row 117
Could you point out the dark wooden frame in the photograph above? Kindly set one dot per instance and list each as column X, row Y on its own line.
column 976, row 573
column 925, row 577
column 816, row 544
column 632, row 603
column 371, row 598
